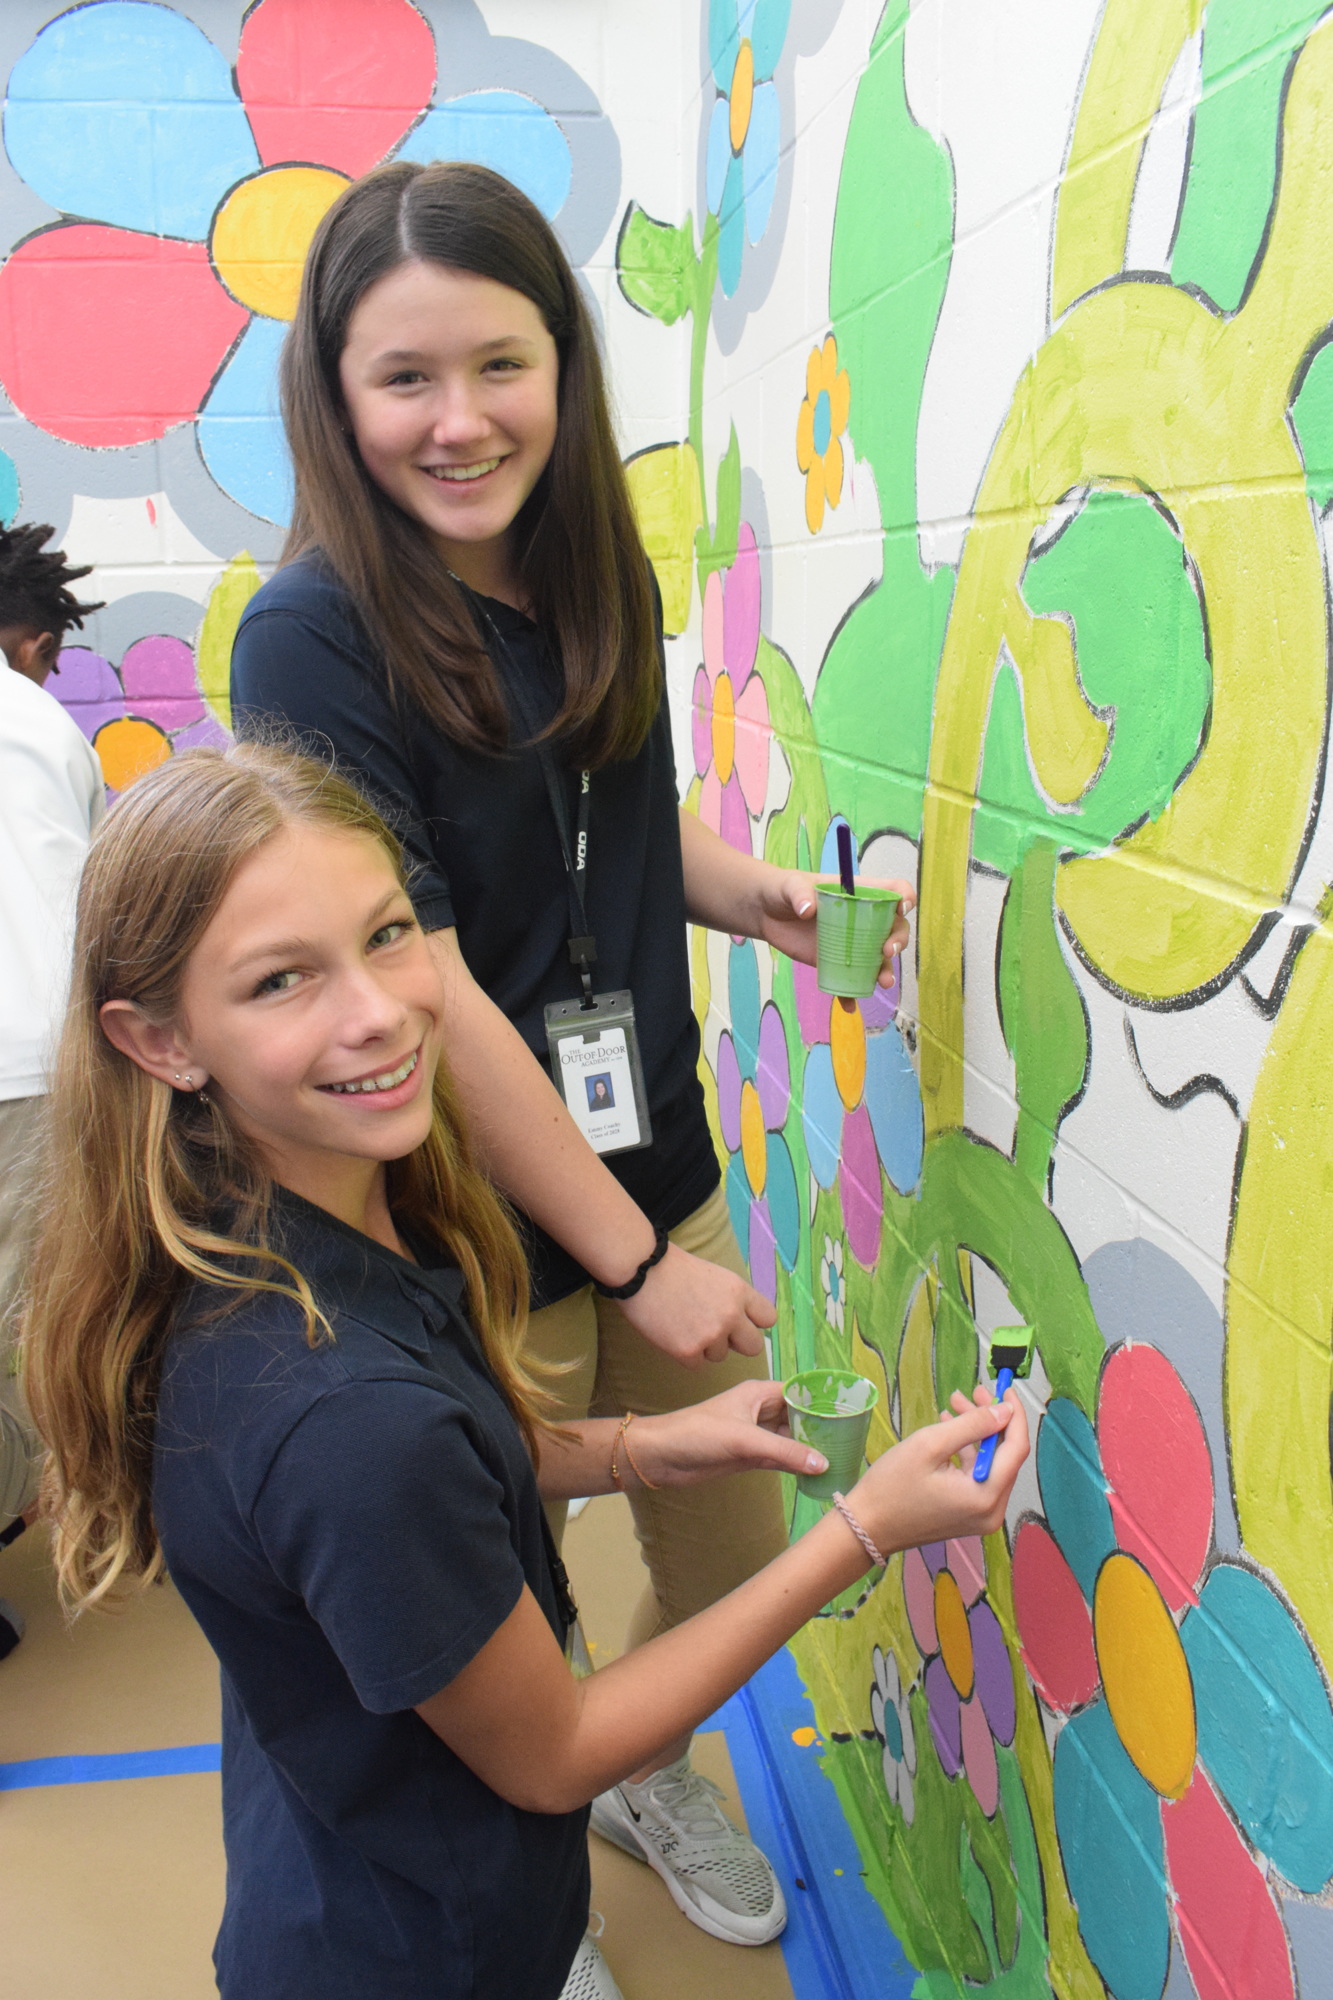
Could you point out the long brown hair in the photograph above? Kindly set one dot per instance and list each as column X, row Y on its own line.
column 577, row 540
column 146, row 1190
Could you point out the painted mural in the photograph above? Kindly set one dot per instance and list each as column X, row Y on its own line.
column 991, row 520
column 1094, row 1754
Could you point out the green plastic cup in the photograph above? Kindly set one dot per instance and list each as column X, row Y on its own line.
column 849, row 938
column 830, row 1409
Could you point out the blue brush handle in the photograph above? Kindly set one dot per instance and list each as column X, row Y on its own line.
column 986, row 1449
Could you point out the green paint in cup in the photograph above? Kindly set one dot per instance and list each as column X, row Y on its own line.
column 829, row 1409
column 849, row 939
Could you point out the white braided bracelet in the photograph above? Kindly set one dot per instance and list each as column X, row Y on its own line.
column 862, row 1537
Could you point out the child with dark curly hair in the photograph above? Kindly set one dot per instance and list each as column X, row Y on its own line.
column 51, row 798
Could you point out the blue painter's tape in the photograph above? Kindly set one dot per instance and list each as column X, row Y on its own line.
column 837, row 1944
column 33, row 1771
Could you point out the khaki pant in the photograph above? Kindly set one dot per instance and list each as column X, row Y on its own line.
column 698, row 1542
column 20, row 1453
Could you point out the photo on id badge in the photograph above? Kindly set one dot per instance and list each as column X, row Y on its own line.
column 599, row 1090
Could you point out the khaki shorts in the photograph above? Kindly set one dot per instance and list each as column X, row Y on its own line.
column 699, row 1542
column 20, row 1452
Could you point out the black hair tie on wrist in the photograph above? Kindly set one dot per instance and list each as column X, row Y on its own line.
column 636, row 1283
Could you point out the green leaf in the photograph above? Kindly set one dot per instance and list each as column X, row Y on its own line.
column 806, row 805
column 656, row 265
column 977, row 1896
column 1118, row 574
column 1041, row 1012
column 1312, row 421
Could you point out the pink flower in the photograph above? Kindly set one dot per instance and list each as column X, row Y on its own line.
column 730, row 709
column 137, row 715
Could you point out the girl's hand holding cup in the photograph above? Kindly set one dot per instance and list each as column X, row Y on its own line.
column 791, row 901
column 742, row 1430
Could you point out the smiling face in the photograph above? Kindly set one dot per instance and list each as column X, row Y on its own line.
column 313, row 1011
column 450, row 382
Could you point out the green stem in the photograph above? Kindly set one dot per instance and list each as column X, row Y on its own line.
column 705, row 279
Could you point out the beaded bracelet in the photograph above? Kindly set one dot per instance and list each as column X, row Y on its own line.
column 862, row 1537
column 622, row 1439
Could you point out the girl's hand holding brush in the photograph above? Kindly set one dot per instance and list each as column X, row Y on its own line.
column 922, row 1490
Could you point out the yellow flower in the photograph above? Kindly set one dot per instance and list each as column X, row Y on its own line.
column 823, row 419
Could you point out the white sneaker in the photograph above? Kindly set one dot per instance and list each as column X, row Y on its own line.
column 590, row 1976
column 714, row 1872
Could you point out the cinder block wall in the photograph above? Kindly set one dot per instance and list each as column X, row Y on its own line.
column 971, row 363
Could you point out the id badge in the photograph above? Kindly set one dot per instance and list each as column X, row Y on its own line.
column 595, row 1063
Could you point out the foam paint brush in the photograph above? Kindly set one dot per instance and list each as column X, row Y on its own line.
column 1010, row 1361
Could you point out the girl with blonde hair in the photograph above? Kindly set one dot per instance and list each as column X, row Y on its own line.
column 273, row 1343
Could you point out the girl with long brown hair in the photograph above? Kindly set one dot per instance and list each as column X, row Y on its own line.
column 466, row 614
column 273, row 1342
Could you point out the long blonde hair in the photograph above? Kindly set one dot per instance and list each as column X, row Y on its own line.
column 146, row 1190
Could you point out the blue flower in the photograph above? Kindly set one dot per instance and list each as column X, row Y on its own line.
column 744, row 42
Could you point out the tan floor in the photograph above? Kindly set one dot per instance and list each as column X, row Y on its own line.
column 107, row 1891
column 112, row 1891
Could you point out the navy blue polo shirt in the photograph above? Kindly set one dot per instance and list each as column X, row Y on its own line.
column 486, row 857
column 350, row 1524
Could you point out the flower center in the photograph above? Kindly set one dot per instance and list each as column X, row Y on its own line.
column 741, row 95
column 823, row 422
column 954, row 1633
column 1145, row 1675
column 724, row 727
column 263, row 231
column 754, row 1140
column 893, row 1732
column 847, row 1043
column 127, row 748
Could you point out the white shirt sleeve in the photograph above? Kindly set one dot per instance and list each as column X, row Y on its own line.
column 51, row 800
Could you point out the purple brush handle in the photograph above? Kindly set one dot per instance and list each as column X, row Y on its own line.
column 986, row 1449
column 845, row 859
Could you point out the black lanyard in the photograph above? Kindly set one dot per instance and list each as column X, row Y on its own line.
column 573, row 841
